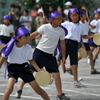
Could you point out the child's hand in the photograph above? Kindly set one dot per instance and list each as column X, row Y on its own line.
column 40, row 69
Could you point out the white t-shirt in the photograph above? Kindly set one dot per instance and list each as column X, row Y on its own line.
column 6, row 30
column 20, row 55
column 98, row 26
column 86, row 25
column 50, row 37
column 94, row 23
column 66, row 11
column 25, row 21
column 75, row 31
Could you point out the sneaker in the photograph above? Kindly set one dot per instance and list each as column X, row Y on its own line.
column 78, row 84
column 93, row 71
column 62, row 97
column 69, row 70
column 18, row 94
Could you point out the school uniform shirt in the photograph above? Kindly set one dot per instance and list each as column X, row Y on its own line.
column 98, row 26
column 86, row 26
column 50, row 37
column 94, row 23
column 20, row 55
column 75, row 31
column 6, row 30
column 25, row 20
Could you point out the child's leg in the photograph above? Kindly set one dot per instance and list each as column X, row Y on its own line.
column 96, row 53
column 75, row 72
column 39, row 90
column 21, row 85
column 9, row 89
column 91, row 58
column 58, row 82
column 79, row 57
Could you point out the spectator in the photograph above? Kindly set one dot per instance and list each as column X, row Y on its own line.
column 68, row 5
column 26, row 20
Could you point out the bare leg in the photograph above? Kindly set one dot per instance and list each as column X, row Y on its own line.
column 21, row 85
column 9, row 89
column 75, row 72
column 58, row 82
column 91, row 58
column 96, row 53
column 39, row 90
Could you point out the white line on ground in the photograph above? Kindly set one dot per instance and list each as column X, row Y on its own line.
column 37, row 98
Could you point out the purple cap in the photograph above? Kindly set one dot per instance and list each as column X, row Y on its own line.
column 96, row 12
column 73, row 10
column 20, row 31
column 53, row 15
column 6, row 17
column 83, row 13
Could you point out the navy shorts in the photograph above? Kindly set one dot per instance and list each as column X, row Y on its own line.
column 87, row 47
column 94, row 45
column 22, row 71
column 5, row 39
column 72, row 51
column 45, row 60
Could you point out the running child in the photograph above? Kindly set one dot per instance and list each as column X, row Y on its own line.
column 85, row 41
column 75, row 31
column 17, row 63
column 94, row 28
column 44, row 52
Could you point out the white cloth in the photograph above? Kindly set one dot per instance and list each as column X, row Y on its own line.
column 86, row 26
column 66, row 11
column 75, row 31
column 50, row 37
column 6, row 30
column 98, row 26
column 20, row 55
column 25, row 20
column 94, row 23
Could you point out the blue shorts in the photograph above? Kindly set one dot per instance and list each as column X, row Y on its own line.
column 22, row 71
column 45, row 60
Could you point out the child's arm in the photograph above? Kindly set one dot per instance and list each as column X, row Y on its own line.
column 33, row 63
column 63, row 48
column 33, row 35
column 2, row 60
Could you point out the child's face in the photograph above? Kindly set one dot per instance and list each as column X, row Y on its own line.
column 23, row 40
column 74, row 17
column 57, row 20
column 97, row 16
column 83, row 17
column 6, row 21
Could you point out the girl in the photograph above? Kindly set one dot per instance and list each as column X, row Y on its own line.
column 94, row 28
column 6, row 30
column 75, row 31
column 85, row 41
column 18, row 63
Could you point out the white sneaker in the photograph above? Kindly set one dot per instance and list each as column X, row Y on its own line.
column 78, row 84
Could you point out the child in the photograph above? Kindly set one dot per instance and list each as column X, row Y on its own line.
column 85, row 41
column 18, row 62
column 6, row 30
column 44, row 52
column 75, row 31
column 94, row 28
